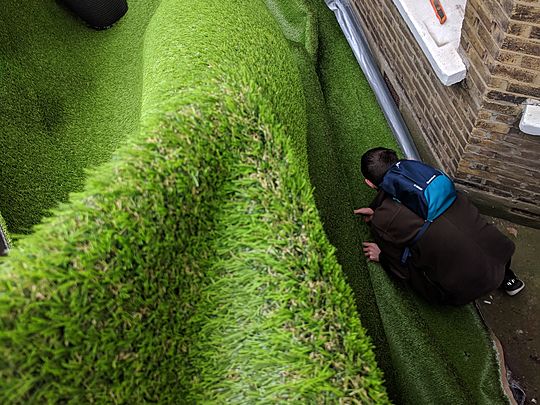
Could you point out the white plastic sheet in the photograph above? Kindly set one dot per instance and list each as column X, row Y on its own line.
column 355, row 36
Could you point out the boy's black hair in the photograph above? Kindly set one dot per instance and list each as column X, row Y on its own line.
column 376, row 162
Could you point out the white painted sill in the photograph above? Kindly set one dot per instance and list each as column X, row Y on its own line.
column 439, row 42
column 530, row 120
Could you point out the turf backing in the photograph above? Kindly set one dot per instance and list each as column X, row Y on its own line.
column 69, row 96
column 411, row 337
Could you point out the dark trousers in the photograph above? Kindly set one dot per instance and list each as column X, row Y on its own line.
column 508, row 273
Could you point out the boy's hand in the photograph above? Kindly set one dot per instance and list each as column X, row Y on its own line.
column 366, row 212
column 371, row 251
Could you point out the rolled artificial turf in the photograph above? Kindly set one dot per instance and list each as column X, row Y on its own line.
column 193, row 266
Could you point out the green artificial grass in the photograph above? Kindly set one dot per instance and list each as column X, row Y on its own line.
column 193, row 267
column 428, row 354
column 69, row 96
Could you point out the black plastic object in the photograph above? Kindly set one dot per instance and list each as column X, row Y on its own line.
column 99, row 14
column 4, row 246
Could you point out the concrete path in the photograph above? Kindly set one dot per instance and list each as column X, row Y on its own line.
column 516, row 320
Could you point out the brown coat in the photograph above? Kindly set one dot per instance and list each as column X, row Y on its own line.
column 460, row 257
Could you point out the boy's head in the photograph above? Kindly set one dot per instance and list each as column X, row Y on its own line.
column 375, row 163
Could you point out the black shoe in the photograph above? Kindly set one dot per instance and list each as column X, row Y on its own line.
column 513, row 286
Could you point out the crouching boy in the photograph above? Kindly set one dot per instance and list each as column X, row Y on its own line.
column 453, row 257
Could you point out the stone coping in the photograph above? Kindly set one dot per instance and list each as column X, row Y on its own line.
column 439, row 42
column 530, row 120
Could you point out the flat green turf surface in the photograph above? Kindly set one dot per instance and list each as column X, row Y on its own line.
column 430, row 355
column 68, row 97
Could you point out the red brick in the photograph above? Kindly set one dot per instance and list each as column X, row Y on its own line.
column 498, row 127
column 530, row 62
column 507, row 119
column 502, row 108
column 489, row 8
column 526, row 13
column 535, row 32
column 520, row 45
column 512, row 73
column 527, row 91
column 519, row 29
column 502, row 96
column 505, row 5
column 509, row 58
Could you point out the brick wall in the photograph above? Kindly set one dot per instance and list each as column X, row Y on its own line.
column 471, row 129
column 500, row 159
column 439, row 111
